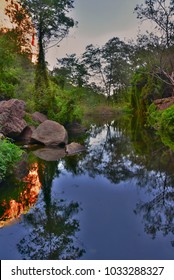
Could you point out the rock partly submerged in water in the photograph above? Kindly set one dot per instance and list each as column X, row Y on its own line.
column 74, row 148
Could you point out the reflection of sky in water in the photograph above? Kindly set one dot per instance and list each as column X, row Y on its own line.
column 109, row 227
column 119, row 199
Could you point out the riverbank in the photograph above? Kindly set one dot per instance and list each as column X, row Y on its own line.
column 160, row 117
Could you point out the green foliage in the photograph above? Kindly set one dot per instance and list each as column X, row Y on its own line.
column 9, row 155
column 167, row 140
column 16, row 73
column 30, row 121
column 167, row 120
column 161, row 120
column 138, row 82
column 65, row 108
column 110, row 64
column 145, row 88
column 153, row 116
column 8, row 75
column 71, row 69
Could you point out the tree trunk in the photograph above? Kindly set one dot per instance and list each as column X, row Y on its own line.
column 41, row 69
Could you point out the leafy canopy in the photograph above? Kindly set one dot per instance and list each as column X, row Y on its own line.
column 50, row 17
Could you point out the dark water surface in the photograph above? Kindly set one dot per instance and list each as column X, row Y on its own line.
column 114, row 201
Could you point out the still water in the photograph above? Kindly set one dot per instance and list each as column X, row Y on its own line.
column 113, row 201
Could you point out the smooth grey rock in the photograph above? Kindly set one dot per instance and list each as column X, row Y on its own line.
column 50, row 133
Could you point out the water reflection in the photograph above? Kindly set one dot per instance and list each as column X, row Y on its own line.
column 123, row 162
column 51, row 226
column 54, row 238
column 12, row 208
column 121, row 153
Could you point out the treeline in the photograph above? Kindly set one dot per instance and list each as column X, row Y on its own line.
column 136, row 72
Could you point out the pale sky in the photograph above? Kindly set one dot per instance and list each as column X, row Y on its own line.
column 98, row 21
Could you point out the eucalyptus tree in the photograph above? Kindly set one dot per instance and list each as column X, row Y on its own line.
column 109, row 64
column 92, row 58
column 118, row 64
column 74, row 69
column 161, row 13
column 51, row 21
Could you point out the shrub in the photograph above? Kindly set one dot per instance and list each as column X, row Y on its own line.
column 144, row 89
column 9, row 155
column 167, row 120
column 66, row 108
column 153, row 116
column 162, row 120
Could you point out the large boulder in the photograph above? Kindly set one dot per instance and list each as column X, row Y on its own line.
column 50, row 133
column 11, row 117
column 15, row 106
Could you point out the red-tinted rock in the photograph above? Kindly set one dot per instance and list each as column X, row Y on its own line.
column 15, row 107
column 11, row 117
column 164, row 103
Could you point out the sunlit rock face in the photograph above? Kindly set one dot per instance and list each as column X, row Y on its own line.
column 13, row 209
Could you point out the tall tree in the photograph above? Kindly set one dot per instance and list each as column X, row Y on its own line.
column 51, row 21
column 161, row 13
column 109, row 64
column 116, row 54
column 92, row 58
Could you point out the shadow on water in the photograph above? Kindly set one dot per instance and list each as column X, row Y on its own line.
column 114, row 201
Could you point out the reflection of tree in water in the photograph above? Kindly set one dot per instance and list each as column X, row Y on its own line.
column 120, row 152
column 51, row 237
column 155, row 176
column 51, row 225
column 158, row 213
column 107, row 152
